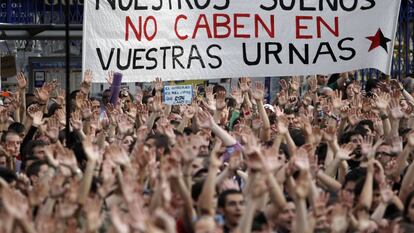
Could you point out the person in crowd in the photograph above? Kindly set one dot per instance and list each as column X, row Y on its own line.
column 329, row 155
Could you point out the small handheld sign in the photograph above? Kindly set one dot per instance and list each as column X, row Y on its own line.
column 178, row 95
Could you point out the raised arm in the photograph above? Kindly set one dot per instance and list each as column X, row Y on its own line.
column 258, row 95
column 205, row 120
column 86, row 183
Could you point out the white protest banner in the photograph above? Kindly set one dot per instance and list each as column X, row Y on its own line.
column 204, row 39
column 178, row 95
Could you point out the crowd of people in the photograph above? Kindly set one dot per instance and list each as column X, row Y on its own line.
column 329, row 154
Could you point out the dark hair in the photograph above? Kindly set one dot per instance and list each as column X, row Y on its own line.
column 346, row 137
column 346, row 85
column 72, row 138
column 105, row 99
column 188, row 131
column 7, row 174
column 16, row 127
column 361, row 124
column 272, row 118
column 284, row 148
column 145, row 99
column 231, row 103
column 28, row 148
column 370, row 85
column 30, row 98
column 321, row 151
column 52, row 109
column 161, row 141
column 354, row 175
column 360, row 186
column 196, row 189
column 26, row 151
column 298, row 137
column 5, row 134
column 34, row 168
column 259, row 222
column 333, row 78
column 217, row 88
column 392, row 212
column 200, row 173
column 80, row 155
column 223, row 196
column 408, row 199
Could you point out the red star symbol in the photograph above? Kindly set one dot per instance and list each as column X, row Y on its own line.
column 378, row 40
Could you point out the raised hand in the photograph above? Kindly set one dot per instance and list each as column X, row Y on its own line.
column 67, row 159
column 157, row 103
column 42, row 94
column 164, row 127
column 21, row 81
column 110, row 78
column 76, row 120
column 118, row 154
column 60, row 98
column 254, row 153
column 52, row 131
column 158, row 84
column 50, row 86
column 258, row 92
column 395, row 109
column 282, row 125
column 86, row 110
column 294, row 83
column 396, row 85
column 320, row 204
column 61, row 116
column 386, row 194
column 228, row 184
column 205, row 120
column 36, row 114
column 282, row 98
column 345, row 151
column 330, row 134
column 279, row 111
column 237, row 96
column 353, row 116
column 336, row 100
column 271, row 160
column 220, row 100
column 209, row 93
column 139, row 95
column 142, row 112
column 112, row 113
column 257, row 123
column 15, row 102
column 301, row 160
column 124, row 124
column 88, row 77
column 244, row 85
column 283, row 85
column 89, row 148
column 382, row 100
column 4, row 115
